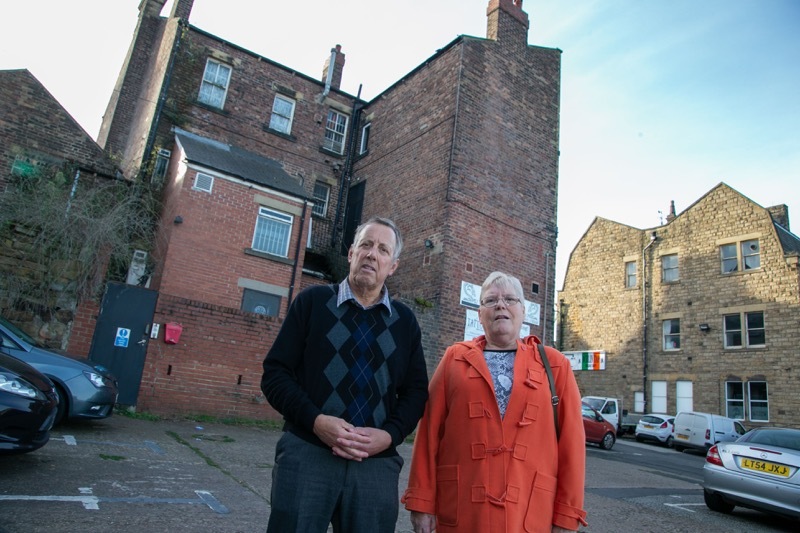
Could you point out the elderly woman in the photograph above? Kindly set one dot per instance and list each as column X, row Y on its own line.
column 492, row 454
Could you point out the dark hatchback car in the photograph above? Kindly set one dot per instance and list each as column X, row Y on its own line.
column 84, row 391
column 28, row 406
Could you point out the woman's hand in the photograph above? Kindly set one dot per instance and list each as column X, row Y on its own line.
column 422, row 522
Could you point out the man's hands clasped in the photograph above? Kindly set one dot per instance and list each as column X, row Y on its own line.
column 348, row 441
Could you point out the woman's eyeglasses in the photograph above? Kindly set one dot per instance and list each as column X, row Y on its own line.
column 507, row 300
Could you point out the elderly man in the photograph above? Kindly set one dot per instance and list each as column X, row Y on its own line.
column 348, row 374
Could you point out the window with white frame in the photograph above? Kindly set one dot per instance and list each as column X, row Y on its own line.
column 752, row 334
column 669, row 268
column 335, row 131
column 758, row 401
column 630, row 274
column 214, row 86
column 734, row 400
column 322, row 192
column 282, row 114
column 658, row 402
column 161, row 164
column 740, row 256
column 273, row 231
column 684, row 396
column 364, row 146
column 671, row 329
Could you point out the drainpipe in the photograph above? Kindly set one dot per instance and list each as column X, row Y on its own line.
column 73, row 190
column 546, row 293
column 348, row 163
column 329, row 77
column 297, row 252
column 653, row 238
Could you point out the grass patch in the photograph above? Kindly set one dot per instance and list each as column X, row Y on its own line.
column 111, row 457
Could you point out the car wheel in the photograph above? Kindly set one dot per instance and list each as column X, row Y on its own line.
column 669, row 442
column 715, row 502
column 677, row 448
column 61, row 410
column 608, row 441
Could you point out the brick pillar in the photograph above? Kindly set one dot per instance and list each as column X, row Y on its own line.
column 507, row 22
column 182, row 9
column 338, row 67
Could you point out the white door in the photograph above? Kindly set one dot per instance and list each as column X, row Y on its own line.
column 684, row 399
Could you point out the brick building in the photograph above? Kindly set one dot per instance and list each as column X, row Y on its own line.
column 38, row 136
column 700, row 313
column 267, row 171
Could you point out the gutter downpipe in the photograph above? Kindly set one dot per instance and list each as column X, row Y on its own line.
column 546, row 294
column 348, row 163
column 297, row 253
column 653, row 238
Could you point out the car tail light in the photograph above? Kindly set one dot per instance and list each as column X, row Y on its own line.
column 708, row 434
column 712, row 456
column 663, row 426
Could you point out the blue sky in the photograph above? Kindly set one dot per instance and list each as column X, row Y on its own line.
column 661, row 99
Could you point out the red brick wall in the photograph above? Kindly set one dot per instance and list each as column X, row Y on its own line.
column 82, row 331
column 215, row 369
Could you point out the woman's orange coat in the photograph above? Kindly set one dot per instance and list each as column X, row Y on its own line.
column 478, row 472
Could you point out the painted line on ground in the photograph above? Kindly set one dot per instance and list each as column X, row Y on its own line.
column 70, row 440
column 92, row 503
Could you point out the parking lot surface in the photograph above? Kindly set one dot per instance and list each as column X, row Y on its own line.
column 123, row 474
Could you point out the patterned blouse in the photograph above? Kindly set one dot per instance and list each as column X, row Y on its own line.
column 501, row 366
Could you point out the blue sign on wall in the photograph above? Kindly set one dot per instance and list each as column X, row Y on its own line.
column 122, row 338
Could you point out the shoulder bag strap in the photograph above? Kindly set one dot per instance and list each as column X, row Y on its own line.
column 551, row 381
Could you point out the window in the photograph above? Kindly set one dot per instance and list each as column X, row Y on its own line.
column 734, row 400
column 669, row 268
column 161, row 164
column 282, row 114
column 215, row 84
column 745, row 255
column 203, row 182
column 364, row 146
column 335, row 128
column 658, row 403
column 751, row 394
column 261, row 303
column 321, row 194
column 273, row 230
column 759, row 401
column 672, row 334
column 630, row 274
column 753, row 334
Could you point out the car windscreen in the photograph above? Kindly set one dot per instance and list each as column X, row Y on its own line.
column 19, row 333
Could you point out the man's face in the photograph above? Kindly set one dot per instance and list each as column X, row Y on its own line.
column 371, row 257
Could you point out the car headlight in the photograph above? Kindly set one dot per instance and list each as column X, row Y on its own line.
column 18, row 386
column 96, row 379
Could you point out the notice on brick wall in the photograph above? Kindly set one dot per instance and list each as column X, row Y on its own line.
column 470, row 297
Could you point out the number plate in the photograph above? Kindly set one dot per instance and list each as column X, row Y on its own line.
column 647, row 426
column 766, row 467
column 682, row 436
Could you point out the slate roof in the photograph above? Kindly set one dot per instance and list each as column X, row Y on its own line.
column 789, row 241
column 238, row 163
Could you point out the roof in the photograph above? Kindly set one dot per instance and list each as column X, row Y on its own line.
column 34, row 122
column 238, row 163
column 789, row 241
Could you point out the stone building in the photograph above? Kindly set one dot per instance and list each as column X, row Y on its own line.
column 266, row 172
column 700, row 313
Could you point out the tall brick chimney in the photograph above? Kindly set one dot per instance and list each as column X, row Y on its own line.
column 182, row 9
column 507, row 22
column 338, row 66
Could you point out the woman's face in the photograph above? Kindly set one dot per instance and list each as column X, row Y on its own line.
column 501, row 323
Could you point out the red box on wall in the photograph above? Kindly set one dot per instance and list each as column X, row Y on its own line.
column 172, row 332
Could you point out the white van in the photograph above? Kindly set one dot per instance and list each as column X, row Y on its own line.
column 700, row 431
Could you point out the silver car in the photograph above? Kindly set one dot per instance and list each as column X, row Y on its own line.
column 759, row 470
column 85, row 391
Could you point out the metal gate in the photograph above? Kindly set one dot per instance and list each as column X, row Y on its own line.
column 121, row 335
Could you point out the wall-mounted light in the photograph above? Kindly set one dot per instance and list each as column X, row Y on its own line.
column 705, row 327
column 428, row 244
column 178, row 220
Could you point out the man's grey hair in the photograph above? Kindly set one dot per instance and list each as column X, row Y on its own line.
column 503, row 280
column 398, row 239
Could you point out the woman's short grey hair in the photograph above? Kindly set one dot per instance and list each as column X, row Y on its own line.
column 505, row 281
column 398, row 239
